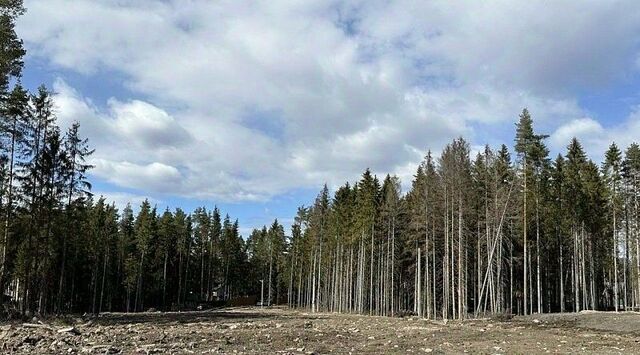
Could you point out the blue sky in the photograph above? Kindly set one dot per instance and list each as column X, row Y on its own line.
column 253, row 106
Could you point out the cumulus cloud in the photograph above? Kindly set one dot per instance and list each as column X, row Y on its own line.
column 122, row 199
column 147, row 124
column 344, row 85
column 154, row 176
column 597, row 138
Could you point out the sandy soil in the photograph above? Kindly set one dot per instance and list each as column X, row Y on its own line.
column 284, row 331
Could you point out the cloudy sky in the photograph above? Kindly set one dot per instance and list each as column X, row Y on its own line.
column 253, row 105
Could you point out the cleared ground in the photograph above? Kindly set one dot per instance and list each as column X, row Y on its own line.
column 280, row 330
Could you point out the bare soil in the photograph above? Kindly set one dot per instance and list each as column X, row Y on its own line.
column 280, row 330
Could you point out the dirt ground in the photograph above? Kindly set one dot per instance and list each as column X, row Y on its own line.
column 280, row 330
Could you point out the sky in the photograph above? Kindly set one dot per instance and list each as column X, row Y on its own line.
column 252, row 106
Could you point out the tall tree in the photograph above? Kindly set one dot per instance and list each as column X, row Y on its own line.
column 15, row 117
column 612, row 169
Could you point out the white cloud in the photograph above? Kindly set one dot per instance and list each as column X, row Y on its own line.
column 586, row 129
column 147, row 124
column 155, row 176
column 596, row 138
column 121, row 199
column 349, row 85
column 545, row 47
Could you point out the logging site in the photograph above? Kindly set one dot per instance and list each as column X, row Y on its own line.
column 311, row 177
column 281, row 330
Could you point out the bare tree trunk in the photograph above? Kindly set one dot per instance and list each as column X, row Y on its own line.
column 371, row 276
column 433, row 253
column 418, row 286
column 445, row 262
column 180, row 267
column 615, row 259
column 511, row 276
column 393, row 263
column 104, row 272
column 452, row 265
column 461, row 296
column 524, row 231
column 313, row 286
column 426, row 272
column 9, row 205
column 270, row 269
column 202, row 248
column 289, row 293
column 539, row 286
column 561, row 276
column 139, row 285
column 626, row 256
column 637, row 239
column 478, row 267
column 164, row 281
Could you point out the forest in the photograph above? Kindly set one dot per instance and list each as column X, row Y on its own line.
column 498, row 232
column 509, row 229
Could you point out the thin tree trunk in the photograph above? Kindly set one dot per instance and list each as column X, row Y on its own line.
column 539, row 286
column 104, row 272
column 9, row 205
column 164, row 281
column 615, row 259
column 524, row 231
column 561, row 276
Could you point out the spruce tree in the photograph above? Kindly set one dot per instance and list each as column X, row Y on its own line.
column 612, row 170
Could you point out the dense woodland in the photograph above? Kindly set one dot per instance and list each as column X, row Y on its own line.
column 509, row 229
column 497, row 232
column 64, row 250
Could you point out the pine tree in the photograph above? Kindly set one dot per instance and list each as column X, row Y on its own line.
column 11, row 48
column 576, row 163
column 144, row 235
column 214, row 246
column 631, row 174
column 524, row 138
column 533, row 155
column 15, row 115
column 183, row 247
column 612, row 170
column 167, row 242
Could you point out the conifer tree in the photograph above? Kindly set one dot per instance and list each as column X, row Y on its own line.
column 15, row 116
column 612, row 169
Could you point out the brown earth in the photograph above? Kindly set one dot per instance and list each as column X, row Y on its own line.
column 284, row 331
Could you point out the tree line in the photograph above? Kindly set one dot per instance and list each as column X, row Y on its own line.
column 500, row 231
column 63, row 250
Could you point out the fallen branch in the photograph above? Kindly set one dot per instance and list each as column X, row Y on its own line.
column 37, row 325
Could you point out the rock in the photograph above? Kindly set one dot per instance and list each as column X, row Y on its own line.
column 427, row 350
